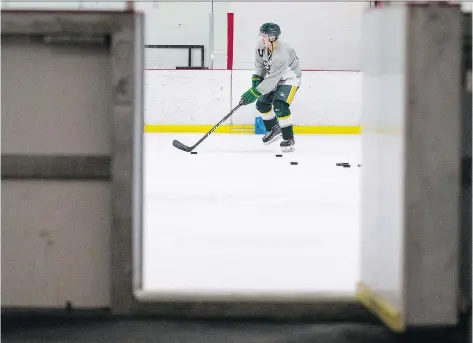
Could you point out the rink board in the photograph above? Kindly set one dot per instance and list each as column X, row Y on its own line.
column 326, row 101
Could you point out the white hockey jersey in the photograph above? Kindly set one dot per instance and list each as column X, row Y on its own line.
column 279, row 67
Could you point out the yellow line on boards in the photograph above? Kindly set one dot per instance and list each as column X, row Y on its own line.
column 150, row 128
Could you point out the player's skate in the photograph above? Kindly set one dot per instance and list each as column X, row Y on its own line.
column 288, row 145
column 272, row 135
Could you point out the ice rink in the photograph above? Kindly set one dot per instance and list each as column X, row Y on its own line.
column 236, row 219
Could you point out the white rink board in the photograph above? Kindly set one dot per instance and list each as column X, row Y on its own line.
column 324, row 98
column 241, row 82
column 186, row 97
column 197, row 97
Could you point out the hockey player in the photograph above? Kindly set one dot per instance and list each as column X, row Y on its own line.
column 275, row 81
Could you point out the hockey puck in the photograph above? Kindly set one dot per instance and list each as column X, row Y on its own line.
column 294, row 163
column 346, row 166
column 193, row 152
column 278, row 155
column 341, row 164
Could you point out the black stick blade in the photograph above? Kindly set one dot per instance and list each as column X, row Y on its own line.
column 181, row 146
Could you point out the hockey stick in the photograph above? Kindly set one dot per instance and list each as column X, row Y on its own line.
column 186, row 148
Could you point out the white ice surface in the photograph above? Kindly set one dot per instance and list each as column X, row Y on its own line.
column 237, row 219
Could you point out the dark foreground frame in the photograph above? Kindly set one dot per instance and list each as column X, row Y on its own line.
column 122, row 32
column 123, row 170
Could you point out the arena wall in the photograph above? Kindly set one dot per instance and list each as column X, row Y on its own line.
column 327, row 43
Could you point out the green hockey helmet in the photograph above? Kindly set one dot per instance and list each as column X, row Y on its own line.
column 271, row 29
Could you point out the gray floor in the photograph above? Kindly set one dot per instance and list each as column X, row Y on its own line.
column 107, row 329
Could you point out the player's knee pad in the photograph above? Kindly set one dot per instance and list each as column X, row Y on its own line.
column 281, row 108
column 263, row 107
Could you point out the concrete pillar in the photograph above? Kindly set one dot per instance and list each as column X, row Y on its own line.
column 411, row 164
